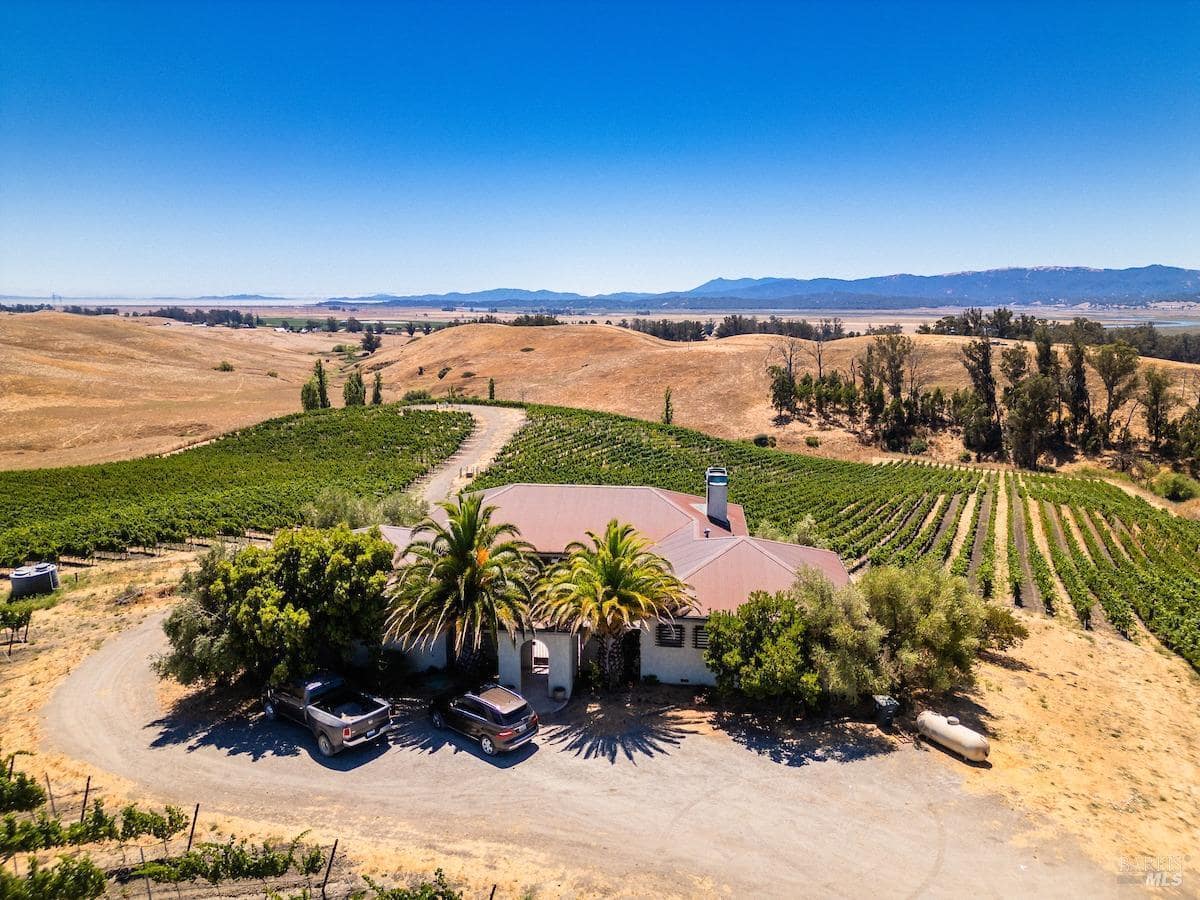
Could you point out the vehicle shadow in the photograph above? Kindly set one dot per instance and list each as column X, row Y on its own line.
column 615, row 730
column 800, row 744
column 225, row 719
column 414, row 732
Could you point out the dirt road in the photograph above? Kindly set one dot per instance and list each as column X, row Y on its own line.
column 494, row 427
column 660, row 804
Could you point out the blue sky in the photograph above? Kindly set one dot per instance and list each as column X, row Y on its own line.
column 317, row 149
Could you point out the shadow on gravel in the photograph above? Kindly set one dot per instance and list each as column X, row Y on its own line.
column 801, row 745
column 414, row 732
column 613, row 730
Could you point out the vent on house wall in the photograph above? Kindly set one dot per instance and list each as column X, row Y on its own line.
column 700, row 637
column 668, row 635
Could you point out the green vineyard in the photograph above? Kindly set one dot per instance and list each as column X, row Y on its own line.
column 1071, row 546
column 258, row 478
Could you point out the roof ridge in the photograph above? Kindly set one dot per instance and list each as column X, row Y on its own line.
column 709, row 560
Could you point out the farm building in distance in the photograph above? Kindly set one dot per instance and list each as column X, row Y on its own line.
column 704, row 538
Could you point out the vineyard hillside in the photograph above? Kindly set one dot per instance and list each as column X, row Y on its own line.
column 1076, row 548
column 718, row 386
column 257, row 479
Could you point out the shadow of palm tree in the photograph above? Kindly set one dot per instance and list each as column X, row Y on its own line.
column 613, row 729
column 800, row 745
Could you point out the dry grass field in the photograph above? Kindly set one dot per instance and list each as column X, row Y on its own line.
column 720, row 387
column 79, row 389
column 85, row 389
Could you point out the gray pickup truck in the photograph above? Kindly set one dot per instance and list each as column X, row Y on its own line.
column 336, row 714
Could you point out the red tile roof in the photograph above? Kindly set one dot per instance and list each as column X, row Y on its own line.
column 722, row 568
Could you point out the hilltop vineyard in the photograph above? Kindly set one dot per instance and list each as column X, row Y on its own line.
column 255, row 479
column 1071, row 546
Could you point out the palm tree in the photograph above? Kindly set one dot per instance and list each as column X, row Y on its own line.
column 609, row 586
column 467, row 578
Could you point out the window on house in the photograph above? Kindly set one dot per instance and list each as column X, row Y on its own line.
column 700, row 637
column 668, row 635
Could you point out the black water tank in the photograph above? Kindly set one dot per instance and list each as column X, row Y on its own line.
column 28, row 581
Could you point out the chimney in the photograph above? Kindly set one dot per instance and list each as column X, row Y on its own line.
column 716, row 498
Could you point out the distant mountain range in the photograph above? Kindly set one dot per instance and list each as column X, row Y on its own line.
column 1048, row 285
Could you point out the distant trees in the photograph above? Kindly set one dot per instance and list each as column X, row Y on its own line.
column 670, row 329
column 1117, row 366
column 314, row 393
column 1158, row 400
column 354, row 391
column 535, row 319
column 825, row 330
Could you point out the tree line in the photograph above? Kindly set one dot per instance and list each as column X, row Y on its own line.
column 1018, row 406
column 1002, row 323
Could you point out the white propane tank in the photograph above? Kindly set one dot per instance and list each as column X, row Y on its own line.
column 953, row 735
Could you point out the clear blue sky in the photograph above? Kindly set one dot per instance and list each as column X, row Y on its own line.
column 176, row 148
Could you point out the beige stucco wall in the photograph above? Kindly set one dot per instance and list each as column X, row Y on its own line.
column 564, row 660
column 675, row 665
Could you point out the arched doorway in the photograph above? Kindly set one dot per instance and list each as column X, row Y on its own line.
column 535, row 668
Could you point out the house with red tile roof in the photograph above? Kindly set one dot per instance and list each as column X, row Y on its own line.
column 705, row 539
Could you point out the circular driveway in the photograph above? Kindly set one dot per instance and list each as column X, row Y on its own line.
column 656, row 804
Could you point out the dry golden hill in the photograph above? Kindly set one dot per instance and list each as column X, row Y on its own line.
column 717, row 386
column 84, row 389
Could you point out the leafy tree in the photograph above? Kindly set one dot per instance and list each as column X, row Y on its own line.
column 337, row 506
column 467, row 578
column 354, row 391
column 491, row 388
column 981, row 426
column 353, row 325
column 934, row 626
column 322, row 384
column 1075, row 388
column 668, row 414
column 894, row 352
column 783, row 390
column 1014, row 363
column 310, row 395
column 331, row 323
column 377, row 389
column 607, row 586
column 371, row 341
column 312, row 598
column 1030, row 425
column 1158, row 400
column 1117, row 366
column 795, row 646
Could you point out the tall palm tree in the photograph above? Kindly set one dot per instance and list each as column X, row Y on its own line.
column 608, row 586
column 467, row 578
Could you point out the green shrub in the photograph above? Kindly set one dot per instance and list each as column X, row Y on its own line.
column 274, row 613
column 417, row 396
column 19, row 793
column 71, row 879
column 1176, row 486
column 224, row 366
column 917, row 446
column 763, row 440
column 812, row 440
column 965, row 457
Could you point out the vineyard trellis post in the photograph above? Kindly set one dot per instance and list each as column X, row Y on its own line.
column 329, row 867
column 145, row 875
column 50, row 793
column 86, row 790
column 192, row 833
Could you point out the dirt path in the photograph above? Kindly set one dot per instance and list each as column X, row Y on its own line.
column 964, row 527
column 494, row 427
column 715, row 811
column 1029, row 593
column 982, row 536
column 1001, row 492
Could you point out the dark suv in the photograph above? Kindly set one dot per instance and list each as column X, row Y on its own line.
column 500, row 719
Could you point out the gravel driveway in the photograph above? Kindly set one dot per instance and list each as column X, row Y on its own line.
column 656, row 805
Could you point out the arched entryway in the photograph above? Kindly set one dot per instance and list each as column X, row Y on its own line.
column 535, row 668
